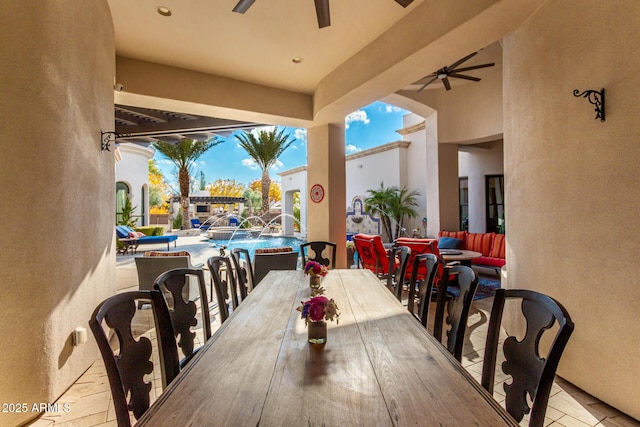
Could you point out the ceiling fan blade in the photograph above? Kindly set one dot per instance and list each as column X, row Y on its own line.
column 460, row 61
column 473, row 67
column 446, row 83
column 404, row 3
column 243, row 5
column 460, row 76
column 428, row 83
column 322, row 12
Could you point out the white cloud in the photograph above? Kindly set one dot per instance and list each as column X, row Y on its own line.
column 250, row 163
column 357, row 116
column 255, row 131
column 392, row 109
column 300, row 134
column 350, row 148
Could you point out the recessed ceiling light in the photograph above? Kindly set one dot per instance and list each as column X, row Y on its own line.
column 164, row 11
column 296, row 60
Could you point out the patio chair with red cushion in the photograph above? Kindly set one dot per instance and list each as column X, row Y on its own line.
column 419, row 247
column 372, row 254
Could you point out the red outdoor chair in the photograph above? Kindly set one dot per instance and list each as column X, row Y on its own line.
column 372, row 254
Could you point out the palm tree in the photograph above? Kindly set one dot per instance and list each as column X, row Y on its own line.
column 184, row 154
column 378, row 204
column 265, row 150
column 402, row 205
column 392, row 204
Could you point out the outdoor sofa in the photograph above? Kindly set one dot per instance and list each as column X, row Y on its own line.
column 490, row 245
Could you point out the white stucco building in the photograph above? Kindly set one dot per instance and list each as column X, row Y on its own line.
column 132, row 179
column 411, row 163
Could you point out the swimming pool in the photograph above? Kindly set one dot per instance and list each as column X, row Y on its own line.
column 251, row 244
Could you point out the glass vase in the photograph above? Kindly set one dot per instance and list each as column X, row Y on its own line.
column 314, row 282
column 317, row 332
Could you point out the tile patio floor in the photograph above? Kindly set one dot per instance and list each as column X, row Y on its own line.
column 91, row 404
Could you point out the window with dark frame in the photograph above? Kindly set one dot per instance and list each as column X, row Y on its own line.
column 494, row 185
column 464, row 203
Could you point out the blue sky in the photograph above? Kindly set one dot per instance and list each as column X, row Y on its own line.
column 368, row 127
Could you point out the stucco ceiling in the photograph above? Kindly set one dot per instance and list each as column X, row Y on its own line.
column 257, row 46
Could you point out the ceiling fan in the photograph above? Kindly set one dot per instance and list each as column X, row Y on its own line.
column 322, row 9
column 444, row 73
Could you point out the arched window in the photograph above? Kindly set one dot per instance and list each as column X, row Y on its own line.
column 122, row 193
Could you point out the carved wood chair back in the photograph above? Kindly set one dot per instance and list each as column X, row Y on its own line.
column 244, row 270
column 127, row 366
column 172, row 285
column 318, row 248
column 224, row 283
column 420, row 291
column 465, row 280
column 532, row 374
column 398, row 269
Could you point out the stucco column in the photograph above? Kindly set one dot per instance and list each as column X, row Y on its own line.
column 326, row 218
column 58, row 191
column 441, row 184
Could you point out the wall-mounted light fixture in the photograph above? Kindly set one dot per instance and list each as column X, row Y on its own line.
column 595, row 98
column 106, row 138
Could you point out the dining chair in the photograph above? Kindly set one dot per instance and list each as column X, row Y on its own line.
column 224, row 283
column 153, row 263
column 396, row 275
column 244, row 270
column 464, row 281
column 171, row 285
column 268, row 259
column 127, row 367
column 531, row 373
column 318, row 248
column 420, row 291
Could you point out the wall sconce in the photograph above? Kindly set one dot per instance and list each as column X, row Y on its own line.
column 595, row 98
column 106, row 138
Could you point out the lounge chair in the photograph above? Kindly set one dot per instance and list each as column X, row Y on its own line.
column 195, row 223
column 127, row 233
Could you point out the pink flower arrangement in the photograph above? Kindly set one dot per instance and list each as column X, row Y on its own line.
column 314, row 268
column 319, row 308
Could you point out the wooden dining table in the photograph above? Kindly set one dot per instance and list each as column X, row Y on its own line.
column 379, row 366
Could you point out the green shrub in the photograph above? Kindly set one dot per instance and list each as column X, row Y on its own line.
column 177, row 221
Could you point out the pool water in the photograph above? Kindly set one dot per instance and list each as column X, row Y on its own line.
column 251, row 244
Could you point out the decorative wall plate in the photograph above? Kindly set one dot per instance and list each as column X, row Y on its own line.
column 316, row 193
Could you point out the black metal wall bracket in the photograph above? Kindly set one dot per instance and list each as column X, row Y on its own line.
column 595, row 98
column 106, row 138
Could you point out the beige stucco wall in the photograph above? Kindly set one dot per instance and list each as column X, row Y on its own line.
column 57, row 188
column 468, row 112
column 572, row 183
